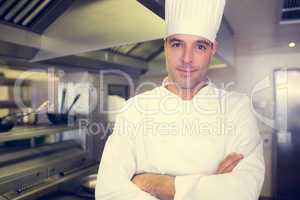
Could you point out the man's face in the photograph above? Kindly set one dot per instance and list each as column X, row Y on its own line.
column 188, row 58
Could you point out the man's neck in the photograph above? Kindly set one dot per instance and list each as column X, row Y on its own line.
column 186, row 93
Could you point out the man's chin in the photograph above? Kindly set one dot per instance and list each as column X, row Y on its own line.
column 189, row 86
column 186, row 86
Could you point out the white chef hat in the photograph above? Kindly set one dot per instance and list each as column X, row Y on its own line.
column 194, row 17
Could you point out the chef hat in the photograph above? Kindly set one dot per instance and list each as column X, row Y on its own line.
column 194, row 17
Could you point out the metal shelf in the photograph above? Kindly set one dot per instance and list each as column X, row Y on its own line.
column 27, row 132
column 11, row 104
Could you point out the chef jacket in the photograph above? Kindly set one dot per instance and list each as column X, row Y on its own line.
column 158, row 132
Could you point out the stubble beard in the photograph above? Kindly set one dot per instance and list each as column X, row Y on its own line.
column 186, row 84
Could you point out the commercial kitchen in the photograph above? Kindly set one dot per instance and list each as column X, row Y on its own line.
column 64, row 64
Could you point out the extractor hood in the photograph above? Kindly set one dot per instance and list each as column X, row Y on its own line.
column 99, row 24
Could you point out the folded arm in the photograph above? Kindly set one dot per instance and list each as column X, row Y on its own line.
column 163, row 186
column 246, row 179
column 117, row 167
column 243, row 183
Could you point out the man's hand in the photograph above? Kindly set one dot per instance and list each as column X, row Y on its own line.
column 163, row 186
column 229, row 163
column 160, row 186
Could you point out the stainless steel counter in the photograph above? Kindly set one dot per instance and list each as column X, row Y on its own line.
column 41, row 171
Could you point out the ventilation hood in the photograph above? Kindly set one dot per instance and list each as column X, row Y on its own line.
column 99, row 24
column 290, row 12
column 32, row 15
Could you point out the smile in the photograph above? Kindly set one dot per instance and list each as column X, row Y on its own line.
column 186, row 70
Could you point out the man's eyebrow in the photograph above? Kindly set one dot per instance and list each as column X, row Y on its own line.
column 174, row 40
column 204, row 42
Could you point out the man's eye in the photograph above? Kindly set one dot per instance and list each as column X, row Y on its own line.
column 201, row 47
column 175, row 45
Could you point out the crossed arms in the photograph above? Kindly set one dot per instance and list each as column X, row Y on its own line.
column 241, row 179
column 163, row 186
column 237, row 178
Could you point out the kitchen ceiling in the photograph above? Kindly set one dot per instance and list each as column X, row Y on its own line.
column 257, row 27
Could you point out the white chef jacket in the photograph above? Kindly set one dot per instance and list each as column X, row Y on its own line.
column 158, row 132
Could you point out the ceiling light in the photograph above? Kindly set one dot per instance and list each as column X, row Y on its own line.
column 292, row 44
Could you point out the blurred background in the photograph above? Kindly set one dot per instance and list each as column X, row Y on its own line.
column 55, row 87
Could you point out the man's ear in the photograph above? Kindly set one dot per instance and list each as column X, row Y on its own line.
column 215, row 47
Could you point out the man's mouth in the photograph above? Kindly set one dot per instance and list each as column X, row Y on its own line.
column 184, row 70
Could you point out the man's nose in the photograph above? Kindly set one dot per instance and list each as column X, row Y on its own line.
column 187, row 55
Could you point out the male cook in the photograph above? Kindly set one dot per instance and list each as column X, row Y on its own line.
column 185, row 140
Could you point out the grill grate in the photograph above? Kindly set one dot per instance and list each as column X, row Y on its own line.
column 290, row 12
column 32, row 15
column 291, row 4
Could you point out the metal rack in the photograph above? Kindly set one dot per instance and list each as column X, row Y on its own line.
column 27, row 132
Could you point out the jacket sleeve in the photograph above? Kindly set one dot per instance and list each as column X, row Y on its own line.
column 245, row 181
column 117, row 167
